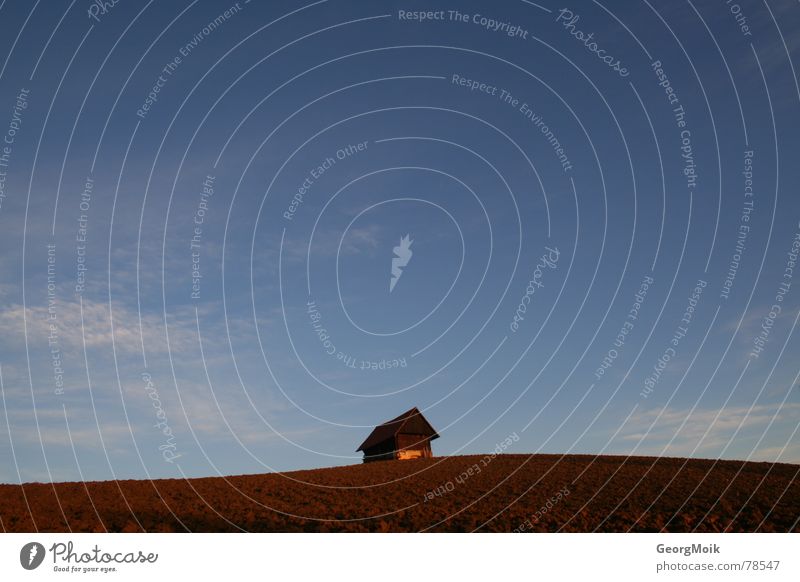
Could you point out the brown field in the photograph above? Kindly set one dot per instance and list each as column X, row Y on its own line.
column 504, row 493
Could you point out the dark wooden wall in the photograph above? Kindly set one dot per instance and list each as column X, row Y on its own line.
column 413, row 441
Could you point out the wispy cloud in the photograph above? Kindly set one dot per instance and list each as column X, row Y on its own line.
column 328, row 242
column 732, row 431
column 117, row 325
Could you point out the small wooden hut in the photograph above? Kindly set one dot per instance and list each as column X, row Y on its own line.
column 408, row 436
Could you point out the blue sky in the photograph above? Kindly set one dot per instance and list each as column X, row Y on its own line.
column 575, row 203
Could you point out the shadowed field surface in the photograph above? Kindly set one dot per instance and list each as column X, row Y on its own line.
column 466, row 493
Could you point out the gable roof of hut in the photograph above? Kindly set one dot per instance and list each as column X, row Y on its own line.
column 410, row 422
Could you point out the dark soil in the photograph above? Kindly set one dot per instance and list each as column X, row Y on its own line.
column 502, row 494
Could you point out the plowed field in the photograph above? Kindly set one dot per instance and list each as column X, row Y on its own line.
column 468, row 493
